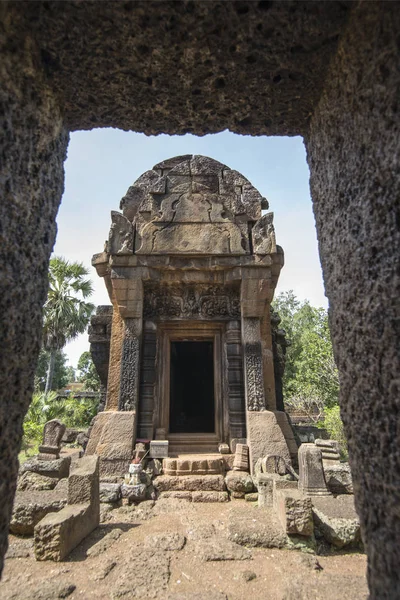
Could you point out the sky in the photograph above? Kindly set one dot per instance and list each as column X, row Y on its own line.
column 103, row 163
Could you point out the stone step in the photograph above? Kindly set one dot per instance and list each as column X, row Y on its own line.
column 198, row 496
column 194, row 483
column 195, row 464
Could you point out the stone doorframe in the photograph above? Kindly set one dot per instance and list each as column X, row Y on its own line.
column 174, row 331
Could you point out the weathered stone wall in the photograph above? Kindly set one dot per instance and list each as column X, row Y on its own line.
column 353, row 152
column 33, row 149
column 255, row 68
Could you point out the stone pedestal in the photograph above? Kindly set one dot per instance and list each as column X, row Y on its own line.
column 311, row 472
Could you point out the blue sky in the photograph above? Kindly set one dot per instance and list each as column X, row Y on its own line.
column 103, row 163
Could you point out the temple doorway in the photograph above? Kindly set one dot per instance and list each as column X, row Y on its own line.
column 192, row 402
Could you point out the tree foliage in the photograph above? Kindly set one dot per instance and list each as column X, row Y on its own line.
column 73, row 412
column 66, row 311
column 61, row 375
column 311, row 381
column 88, row 374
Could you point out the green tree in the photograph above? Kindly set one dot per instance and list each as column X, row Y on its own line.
column 66, row 311
column 61, row 372
column 311, row 381
column 88, row 374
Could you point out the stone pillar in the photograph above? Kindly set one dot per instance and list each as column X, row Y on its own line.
column 236, row 397
column 264, row 434
column 253, row 364
column 130, row 365
column 353, row 149
column 33, row 150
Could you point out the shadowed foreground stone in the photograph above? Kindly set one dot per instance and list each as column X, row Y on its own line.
column 57, row 534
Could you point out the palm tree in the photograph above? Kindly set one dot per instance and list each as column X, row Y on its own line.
column 66, row 312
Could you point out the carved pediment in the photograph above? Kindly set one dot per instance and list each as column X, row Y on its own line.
column 192, row 205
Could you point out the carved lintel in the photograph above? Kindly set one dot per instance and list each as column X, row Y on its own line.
column 191, row 301
column 253, row 365
column 130, row 362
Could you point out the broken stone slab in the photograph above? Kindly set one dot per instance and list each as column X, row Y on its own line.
column 57, row 468
column 239, row 482
column 59, row 533
column 167, row 542
column 110, row 492
column 105, row 543
column 256, row 529
column 206, row 496
column 337, row 520
column 35, row 482
column 167, row 483
column 241, row 460
column 30, row 507
column 338, row 478
column 219, row 549
column 311, row 473
column 294, row 512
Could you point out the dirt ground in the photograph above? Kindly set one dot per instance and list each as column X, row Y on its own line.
column 177, row 550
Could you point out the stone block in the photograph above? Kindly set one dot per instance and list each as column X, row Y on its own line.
column 57, row 534
column 31, row 506
column 311, row 472
column 56, row 468
column 112, row 439
column 110, row 492
column 239, row 481
column 168, row 483
column 338, row 478
column 294, row 511
column 265, row 486
column 241, row 460
column 208, row 496
column 35, row 481
column 83, row 482
column 134, row 493
column 264, row 436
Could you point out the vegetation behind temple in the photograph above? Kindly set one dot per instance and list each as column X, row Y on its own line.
column 311, row 380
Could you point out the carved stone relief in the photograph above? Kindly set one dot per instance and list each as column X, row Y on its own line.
column 120, row 239
column 191, row 301
column 130, row 362
column 253, row 364
column 192, row 205
column 263, row 233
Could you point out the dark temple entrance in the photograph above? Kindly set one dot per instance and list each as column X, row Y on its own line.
column 192, row 388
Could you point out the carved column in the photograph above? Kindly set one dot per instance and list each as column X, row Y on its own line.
column 253, row 364
column 236, row 400
column 147, row 381
column 130, row 363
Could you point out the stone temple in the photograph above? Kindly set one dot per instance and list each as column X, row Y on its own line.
column 186, row 352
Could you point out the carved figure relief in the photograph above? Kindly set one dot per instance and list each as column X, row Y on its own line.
column 263, row 233
column 189, row 301
column 120, row 239
column 128, row 394
column 254, row 377
column 191, row 205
